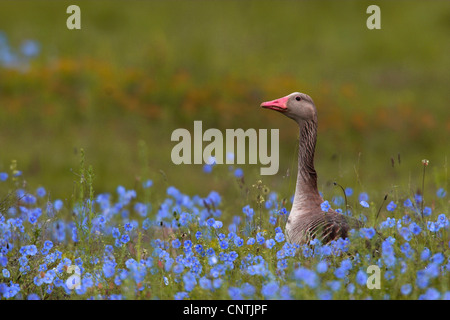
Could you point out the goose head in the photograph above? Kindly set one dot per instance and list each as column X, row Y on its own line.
column 297, row 106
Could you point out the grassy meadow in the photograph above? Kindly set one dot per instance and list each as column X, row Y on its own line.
column 86, row 177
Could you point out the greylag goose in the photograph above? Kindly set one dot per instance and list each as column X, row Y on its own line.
column 306, row 219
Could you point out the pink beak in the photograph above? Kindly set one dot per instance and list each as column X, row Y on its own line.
column 277, row 104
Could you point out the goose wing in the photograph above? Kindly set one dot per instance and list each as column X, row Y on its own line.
column 330, row 226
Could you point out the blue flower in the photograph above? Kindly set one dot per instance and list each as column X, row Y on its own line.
column 217, row 224
column 363, row 196
column 282, row 264
column 115, row 233
column 207, row 168
column 235, row 293
column 181, row 295
column 6, row 273
column 29, row 199
column 198, row 248
column 212, row 260
column 48, row 245
column 270, row 290
column 432, row 270
column 367, row 233
column 33, row 296
column 438, row 258
column 210, row 222
column 217, row 283
column 30, row 48
column 31, row 250
column 189, row 281
column 389, row 275
column 273, row 220
column 248, row 211
column 238, row 173
column 418, row 198
column 407, row 203
column 187, row 244
column 351, row 288
column 348, row 191
column 232, row 256
column 405, row 233
column 346, row 264
column 442, row 221
column 407, row 250
column 270, row 243
column 147, row 184
column 173, row 192
column 432, row 294
column 10, row 291
column 214, row 198
column 40, row 192
column 259, row 238
column 3, row 176
column 247, row 289
column 338, row 200
column 238, row 241
column 109, row 249
column 322, row 266
column 32, row 219
column 109, row 268
column 325, row 295
column 364, row 204
column 146, row 224
column 205, row 283
column 279, row 237
column 325, row 206
column 431, row 226
column 58, row 204
column 340, row 273
column 223, row 244
column 141, row 209
column 415, row 228
column 422, row 279
column 306, row 276
column 391, row 206
column 440, row 193
column 361, row 278
column 406, row 289
column 3, row 261
column 388, row 252
column 176, row 244
column 334, row 285
column 178, row 268
column 128, row 227
column 251, row 241
column 125, row 238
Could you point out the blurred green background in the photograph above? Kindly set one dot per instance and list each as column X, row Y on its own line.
column 137, row 70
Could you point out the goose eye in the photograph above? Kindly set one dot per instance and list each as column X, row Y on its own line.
column 298, row 98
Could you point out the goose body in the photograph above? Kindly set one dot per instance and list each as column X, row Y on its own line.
column 306, row 219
